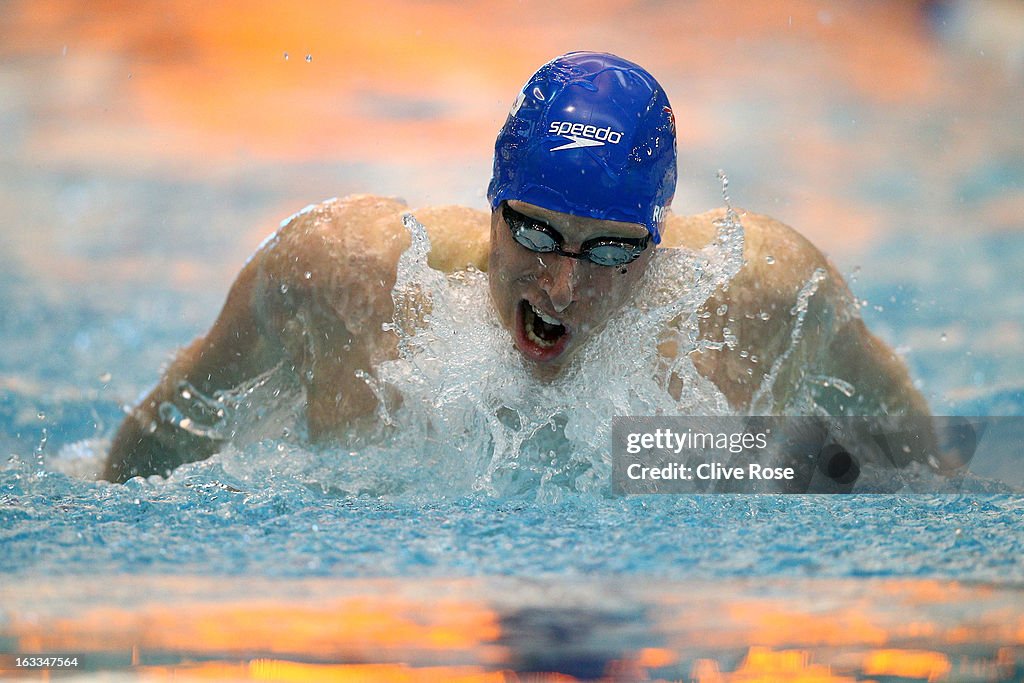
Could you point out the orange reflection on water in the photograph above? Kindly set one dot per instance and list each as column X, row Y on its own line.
column 907, row 663
column 413, row 630
column 298, row 672
column 381, row 81
column 778, row 623
column 352, row 629
column 765, row 664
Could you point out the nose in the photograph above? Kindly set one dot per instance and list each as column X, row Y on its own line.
column 559, row 280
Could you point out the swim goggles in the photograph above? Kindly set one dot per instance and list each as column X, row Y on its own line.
column 540, row 237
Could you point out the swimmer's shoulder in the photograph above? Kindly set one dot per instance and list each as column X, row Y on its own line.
column 358, row 223
column 777, row 256
column 760, row 232
column 370, row 227
column 459, row 237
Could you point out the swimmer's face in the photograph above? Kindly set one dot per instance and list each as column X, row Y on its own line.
column 552, row 303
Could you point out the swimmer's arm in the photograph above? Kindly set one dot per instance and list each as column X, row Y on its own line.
column 232, row 351
column 883, row 386
column 833, row 341
column 760, row 369
column 314, row 298
column 259, row 327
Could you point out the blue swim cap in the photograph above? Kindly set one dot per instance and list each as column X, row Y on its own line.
column 592, row 135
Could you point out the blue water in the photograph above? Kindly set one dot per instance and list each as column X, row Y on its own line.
column 262, row 518
column 73, row 355
column 268, row 510
column 118, row 249
column 209, row 522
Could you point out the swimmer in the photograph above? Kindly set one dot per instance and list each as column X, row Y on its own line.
column 584, row 175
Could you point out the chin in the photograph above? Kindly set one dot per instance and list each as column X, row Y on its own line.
column 539, row 337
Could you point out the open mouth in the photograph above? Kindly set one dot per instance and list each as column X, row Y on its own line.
column 538, row 335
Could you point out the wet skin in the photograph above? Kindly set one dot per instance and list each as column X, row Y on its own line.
column 313, row 298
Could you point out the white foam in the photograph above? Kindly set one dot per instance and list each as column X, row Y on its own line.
column 473, row 409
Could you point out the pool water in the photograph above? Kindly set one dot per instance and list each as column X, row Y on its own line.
column 394, row 559
column 525, row 548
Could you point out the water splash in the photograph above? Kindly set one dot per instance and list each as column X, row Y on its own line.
column 763, row 399
column 472, row 407
column 474, row 418
column 460, row 411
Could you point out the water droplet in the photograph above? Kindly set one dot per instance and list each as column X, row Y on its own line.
column 943, row 337
column 186, row 394
column 284, row 288
column 769, row 259
column 41, row 446
column 309, row 58
column 286, row 56
column 105, row 377
column 722, row 310
column 41, row 415
column 308, row 275
column 764, row 315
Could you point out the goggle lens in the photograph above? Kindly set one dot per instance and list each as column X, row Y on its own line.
column 534, row 240
column 613, row 254
column 541, row 238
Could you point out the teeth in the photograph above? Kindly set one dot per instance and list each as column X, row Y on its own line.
column 531, row 318
column 537, row 340
column 548, row 320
